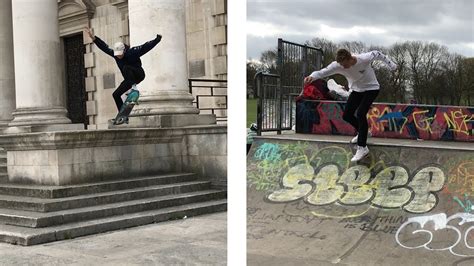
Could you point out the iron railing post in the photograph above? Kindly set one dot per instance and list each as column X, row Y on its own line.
column 257, row 84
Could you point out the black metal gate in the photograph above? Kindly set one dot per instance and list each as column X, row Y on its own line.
column 276, row 92
column 268, row 105
column 295, row 62
column 75, row 74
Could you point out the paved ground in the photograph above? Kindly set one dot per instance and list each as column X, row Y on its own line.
column 200, row 240
column 408, row 203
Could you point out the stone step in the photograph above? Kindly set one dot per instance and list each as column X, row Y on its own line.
column 81, row 189
column 37, row 219
column 87, row 200
column 3, row 170
column 31, row 236
column 3, row 160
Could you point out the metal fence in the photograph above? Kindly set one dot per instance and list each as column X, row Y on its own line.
column 295, row 61
column 210, row 97
column 268, row 104
column 276, row 106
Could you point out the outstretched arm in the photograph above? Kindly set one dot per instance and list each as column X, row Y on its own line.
column 146, row 47
column 101, row 44
column 331, row 69
column 376, row 55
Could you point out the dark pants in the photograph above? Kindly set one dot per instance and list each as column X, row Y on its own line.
column 132, row 75
column 361, row 102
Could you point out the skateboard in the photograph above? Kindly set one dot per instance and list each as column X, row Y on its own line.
column 127, row 106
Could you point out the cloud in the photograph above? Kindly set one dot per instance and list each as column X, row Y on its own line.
column 374, row 22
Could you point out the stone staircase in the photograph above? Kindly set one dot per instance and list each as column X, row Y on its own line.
column 32, row 215
column 3, row 166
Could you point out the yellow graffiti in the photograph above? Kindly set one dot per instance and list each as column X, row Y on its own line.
column 375, row 114
column 390, row 186
column 355, row 179
column 293, row 188
column 343, row 216
column 387, row 196
column 422, row 123
column 327, row 190
column 461, row 178
column 453, row 124
column 424, row 183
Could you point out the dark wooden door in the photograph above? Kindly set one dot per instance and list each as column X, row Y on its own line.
column 75, row 82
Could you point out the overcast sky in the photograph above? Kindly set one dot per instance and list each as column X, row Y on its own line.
column 374, row 22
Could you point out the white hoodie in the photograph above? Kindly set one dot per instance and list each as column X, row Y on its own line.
column 361, row 76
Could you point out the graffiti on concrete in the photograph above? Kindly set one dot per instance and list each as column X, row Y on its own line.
column 260, row 218
column 322, row 175
column 390, row 120
column 268, row 151
column 429, row 226
column 391, row 187
column 465, row 204
column 461, row 177
column 385, row 223
column 258, row 215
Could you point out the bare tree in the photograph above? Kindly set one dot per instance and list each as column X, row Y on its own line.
column 354, row 47
column 427, row 72
column 414, row 54
column 268, row 59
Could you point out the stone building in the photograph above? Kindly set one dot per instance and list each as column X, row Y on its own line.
column 57, row 99
column 87, row 77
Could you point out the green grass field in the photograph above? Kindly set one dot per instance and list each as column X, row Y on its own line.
column 251, row 111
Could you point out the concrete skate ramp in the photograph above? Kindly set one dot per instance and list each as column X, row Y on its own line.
column 407, row 203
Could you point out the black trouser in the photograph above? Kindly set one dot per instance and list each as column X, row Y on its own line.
column 132, row 75
column 360, row 101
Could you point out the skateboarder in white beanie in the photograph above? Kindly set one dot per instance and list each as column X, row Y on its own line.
column 364, row 85
column 128, row 61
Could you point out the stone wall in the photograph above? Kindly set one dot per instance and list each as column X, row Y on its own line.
column 206, row 34
column 63, row 158
column 111, row 25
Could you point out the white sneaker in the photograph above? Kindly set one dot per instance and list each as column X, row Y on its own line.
column 354, row 140
column 360, row 154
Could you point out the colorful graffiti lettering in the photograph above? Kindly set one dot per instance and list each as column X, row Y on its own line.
column 390, row 120
column 392, row 187
column 458, row 121
column 460, row 179
column 440, row 221
column 466, row 205
column 268, row 151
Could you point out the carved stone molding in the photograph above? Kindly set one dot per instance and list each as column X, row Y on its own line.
column 74, row 15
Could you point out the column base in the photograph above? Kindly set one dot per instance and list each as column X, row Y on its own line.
column 42, row 128
column 38, row 116
column 4, row 124
column 166, row 121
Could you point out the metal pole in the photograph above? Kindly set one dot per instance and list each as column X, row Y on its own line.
column 257, row 84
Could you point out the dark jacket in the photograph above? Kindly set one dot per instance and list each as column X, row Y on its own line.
column 131, row 55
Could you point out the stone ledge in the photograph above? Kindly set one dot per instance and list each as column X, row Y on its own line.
column 61, row 158
column 88, row 138
column 167, row 121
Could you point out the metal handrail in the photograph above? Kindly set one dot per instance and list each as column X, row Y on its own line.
column 212, row 93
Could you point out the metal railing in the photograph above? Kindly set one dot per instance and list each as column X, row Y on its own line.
column 269, row 102
column 210, row 96
column 276, row 108
column 295, row 61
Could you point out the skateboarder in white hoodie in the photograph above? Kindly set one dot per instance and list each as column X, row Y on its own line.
column 364, row 85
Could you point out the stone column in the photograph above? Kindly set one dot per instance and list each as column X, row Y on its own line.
column 40, row 97
column 164, row 92
column 7, row 74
